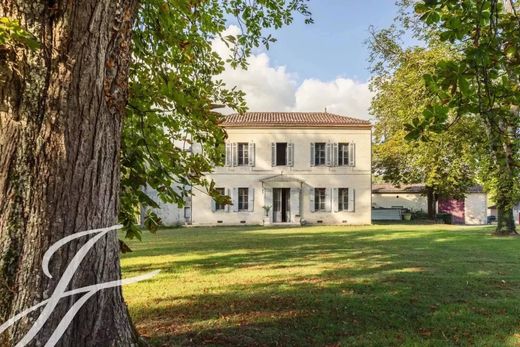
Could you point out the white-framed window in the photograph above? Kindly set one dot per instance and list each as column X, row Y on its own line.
column 343, row 199
column 240, row 154
column 320, row 150
column 282, row 154
column 219, row 206
column 243, row 199
column 243, row 154
column 343, row 154
column 320, row 195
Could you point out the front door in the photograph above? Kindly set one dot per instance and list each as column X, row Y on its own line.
column 281, row 205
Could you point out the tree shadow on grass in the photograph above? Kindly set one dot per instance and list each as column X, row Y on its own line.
column 379, row 288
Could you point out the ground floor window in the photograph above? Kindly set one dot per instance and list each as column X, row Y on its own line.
column 319, row 199
column 243, row 198
column 220, row 206
column 342, row 199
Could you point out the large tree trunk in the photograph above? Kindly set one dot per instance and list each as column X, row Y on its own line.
column 60, row 125
column 431, row 198
column 501, row 140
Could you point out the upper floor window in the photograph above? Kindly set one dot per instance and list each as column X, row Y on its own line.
column 282, row 154
column 320, row 151
column 243, row 154
column 240, row 154
column 319, row 199
column 243, row 199
column 343, row 199
column 343, row 154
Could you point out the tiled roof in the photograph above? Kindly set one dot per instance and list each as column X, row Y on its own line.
column 291, row 119
column 411, row 188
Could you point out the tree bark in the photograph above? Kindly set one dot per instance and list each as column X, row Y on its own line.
column 432, row 202
column 60, row 125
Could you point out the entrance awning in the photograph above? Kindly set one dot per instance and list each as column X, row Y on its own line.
column 282, row 181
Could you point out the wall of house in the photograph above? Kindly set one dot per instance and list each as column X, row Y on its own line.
column 414, row 202
column 475, row 208
column 357, row 177
column 170, row 214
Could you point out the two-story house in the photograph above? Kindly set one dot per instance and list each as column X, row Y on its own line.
column 291, row 168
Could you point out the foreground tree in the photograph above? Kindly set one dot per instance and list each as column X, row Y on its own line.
column 481, row 83
column 61, row 115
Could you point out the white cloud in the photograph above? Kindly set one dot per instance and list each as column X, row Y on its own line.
column 342, row 95
column 270, row 88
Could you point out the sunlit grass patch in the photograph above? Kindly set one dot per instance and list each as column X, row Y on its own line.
column 376, row 285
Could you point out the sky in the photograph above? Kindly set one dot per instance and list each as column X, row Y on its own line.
column 315, row 66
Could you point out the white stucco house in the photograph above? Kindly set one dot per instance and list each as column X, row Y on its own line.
column 288, row 168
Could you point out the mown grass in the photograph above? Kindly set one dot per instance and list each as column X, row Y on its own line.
column 382, row 285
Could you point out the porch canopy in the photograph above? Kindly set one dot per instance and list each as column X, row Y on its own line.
column 282, row 181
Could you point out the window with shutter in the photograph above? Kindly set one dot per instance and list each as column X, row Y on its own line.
column 343, row 154
column 280, row 154
column 242, row 154
column 320, row 199
column 320, row 150
column 243, row 199
column 343, row 198
column 218, row 206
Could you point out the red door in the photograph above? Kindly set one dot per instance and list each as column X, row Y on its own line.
column 454, row 207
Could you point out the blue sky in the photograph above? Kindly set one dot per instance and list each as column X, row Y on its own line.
column 334, row 45
column 315, row 66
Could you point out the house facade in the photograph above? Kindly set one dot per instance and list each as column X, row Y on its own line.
column 291, row 168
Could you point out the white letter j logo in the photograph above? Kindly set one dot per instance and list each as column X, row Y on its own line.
column 60, row 290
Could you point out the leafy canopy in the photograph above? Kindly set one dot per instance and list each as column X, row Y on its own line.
column 171, row 134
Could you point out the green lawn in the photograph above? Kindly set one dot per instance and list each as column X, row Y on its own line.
column 382, row 285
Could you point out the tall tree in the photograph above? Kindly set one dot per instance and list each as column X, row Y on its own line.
column 61, row 114
column 482, row 83
column 446, row 162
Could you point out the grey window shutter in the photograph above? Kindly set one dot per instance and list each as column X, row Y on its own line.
column 251, row 199
column 351, row 199
column 229, row 155
column 213, row 205
column 273, row 154
column 335, row 154
column 311, row 198
column 352, row 154
column 335, row 201
column 290, row 154
column 312, row 153
column 235, row 199
column 234, row 154
column 251, row 154
column 328, row 148
column 228, row 193
column 328, row 198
